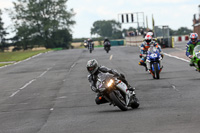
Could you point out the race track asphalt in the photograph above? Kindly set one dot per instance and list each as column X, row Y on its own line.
column 51, row 94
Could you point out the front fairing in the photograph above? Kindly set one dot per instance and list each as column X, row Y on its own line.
column 154, row 56
column 196, row 52
column 102, row 80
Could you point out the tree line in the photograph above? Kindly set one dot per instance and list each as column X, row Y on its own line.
column 48, row 23
column 112, row 29
column 39, row 23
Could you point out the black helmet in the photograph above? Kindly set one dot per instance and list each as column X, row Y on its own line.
column 92, row 66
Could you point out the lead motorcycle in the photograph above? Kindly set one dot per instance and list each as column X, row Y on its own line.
column 115, row 92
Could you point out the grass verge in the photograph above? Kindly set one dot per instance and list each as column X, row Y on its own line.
column 5, row 64
column 18, row 56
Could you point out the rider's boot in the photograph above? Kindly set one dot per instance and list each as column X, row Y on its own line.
column 100, row 99
column 192, row 64
column 130, row 88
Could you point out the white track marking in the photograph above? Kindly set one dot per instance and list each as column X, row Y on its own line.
column 63, row 97
column 111, row 57
column 27, row 84
column 15, row 93
column 176, row 57
column 44, row 72
column 174, row 87
column 72, row 67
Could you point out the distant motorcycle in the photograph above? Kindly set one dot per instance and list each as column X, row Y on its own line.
column 115, row 91
column 90, row 46
column 196, row 57
column 107, row 46
column 154, row 59
column 85, row 45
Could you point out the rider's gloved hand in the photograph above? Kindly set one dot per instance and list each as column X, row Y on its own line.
column 122, row 75
column 115, row 73
column 190, row 56
column 162, row 55
column 93, row 88
column 89, row 78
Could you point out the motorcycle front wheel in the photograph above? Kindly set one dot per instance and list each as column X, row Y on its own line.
column 156, row 71
column 107, row 50
column 118, row 100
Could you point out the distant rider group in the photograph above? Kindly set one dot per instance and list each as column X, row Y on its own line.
column 90, row 44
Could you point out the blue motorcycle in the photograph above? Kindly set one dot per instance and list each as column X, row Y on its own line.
column 154, row 58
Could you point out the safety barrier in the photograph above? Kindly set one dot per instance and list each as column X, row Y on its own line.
column 117, row 43
column 134, row 40
column 181, row 38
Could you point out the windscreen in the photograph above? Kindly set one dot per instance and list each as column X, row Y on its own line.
column 197, row 49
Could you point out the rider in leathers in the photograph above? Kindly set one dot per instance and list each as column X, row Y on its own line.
column 90, row 41
column 190, row 47
column 94, row 70
column 106, row 40
column 144, row 48
column 151, row 50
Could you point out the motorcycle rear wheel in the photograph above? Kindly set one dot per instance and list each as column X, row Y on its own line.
column 135, row 103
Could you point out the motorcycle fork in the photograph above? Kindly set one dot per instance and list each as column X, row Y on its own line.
column 125, row 95
column 151, row 69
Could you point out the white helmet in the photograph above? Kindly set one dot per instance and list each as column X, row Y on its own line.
column 148, row 39
column 150, row 33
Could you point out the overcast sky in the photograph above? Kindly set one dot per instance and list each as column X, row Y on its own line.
column 174, row 13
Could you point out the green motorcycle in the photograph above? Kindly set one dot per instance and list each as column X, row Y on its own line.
column 196, row 57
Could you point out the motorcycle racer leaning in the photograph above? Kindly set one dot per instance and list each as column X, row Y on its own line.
column 94, row 69
column 190, row 46
column 144, row 48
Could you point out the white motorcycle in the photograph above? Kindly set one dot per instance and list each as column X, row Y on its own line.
column 116, row 92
